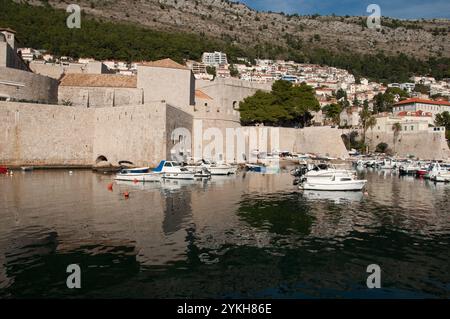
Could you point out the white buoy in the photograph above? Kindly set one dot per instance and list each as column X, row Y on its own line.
column 70, row 172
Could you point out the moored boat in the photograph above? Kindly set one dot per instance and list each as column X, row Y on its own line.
column 335, row 183
column 140, row 174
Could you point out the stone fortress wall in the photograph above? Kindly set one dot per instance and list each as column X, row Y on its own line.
column 22, row 85
column 53, row 135
column 139, row 119
column 430, row 145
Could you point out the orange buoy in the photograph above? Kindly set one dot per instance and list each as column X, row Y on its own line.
column 126, row 194
column 110, row 187
column 135, row 181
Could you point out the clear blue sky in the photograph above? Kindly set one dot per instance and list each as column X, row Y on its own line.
column 403, row 9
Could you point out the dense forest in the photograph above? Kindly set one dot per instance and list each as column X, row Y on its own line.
column 43, row 27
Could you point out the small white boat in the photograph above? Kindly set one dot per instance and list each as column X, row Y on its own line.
column 213, row 168
column 326, row 171
column 437, row 173
column 27, row 168
column 335, row 183
column 173, row 170
column 141, row 174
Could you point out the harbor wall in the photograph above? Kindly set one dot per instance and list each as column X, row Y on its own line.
column 429, row 145
column 47, row 135
column 131, row 133
column 321, row 140
column 54, row 135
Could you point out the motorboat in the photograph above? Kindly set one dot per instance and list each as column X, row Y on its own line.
column 334, row 183
column 325, row 171
column 27, row 168
column 437, row 173
column 165, row 170
column 213, row 168
column 408, row 169
column 173, row 170
column 140, row 174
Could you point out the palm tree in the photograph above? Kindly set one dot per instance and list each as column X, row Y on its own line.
column 367, row 120
column 396, row 127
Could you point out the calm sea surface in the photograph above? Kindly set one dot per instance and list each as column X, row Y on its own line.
column 244, row 236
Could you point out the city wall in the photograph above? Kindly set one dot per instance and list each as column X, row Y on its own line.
column 424, row 145
column 37, row 134
column 27, row 86
column 54, row 135
column 99, row 96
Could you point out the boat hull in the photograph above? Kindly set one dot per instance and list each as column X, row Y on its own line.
column 148, row 177
column 355, row 185
column 178, row 175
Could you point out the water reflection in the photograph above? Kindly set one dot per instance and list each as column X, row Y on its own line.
column 250, row 235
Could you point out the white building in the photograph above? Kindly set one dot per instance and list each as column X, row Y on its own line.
column 415, row 104
column 214, row 58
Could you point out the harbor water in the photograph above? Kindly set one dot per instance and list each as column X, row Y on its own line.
column 245, row 236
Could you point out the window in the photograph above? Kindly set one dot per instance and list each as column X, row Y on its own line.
column 406, row 128
column 167, row 164
column 412, row 128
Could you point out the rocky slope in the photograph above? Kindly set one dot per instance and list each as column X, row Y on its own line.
column 236, row 22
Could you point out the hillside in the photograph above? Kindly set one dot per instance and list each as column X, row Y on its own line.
column 148, row 30
column 236, row 22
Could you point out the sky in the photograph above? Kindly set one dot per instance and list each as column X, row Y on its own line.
column 402, row 9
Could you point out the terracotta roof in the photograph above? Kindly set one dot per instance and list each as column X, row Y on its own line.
column 165, row 63
column 8, row 30
column 99, row 80
column 202, row 95
column 417, row 100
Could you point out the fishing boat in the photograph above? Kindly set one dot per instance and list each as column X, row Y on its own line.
column 27, row 168
column 334, row 183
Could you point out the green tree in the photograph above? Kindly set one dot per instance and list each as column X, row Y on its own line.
column 367, row 121
column 443, row 119
column 333, row 112
column 211, row 70
column 285, row 105
column 233, row 71
column 341, row 94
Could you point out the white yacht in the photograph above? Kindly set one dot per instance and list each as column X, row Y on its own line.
column 334, row 183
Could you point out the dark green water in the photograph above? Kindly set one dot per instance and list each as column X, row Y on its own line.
column 247, row 236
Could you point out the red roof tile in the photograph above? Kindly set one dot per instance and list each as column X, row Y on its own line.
column 417, row 100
